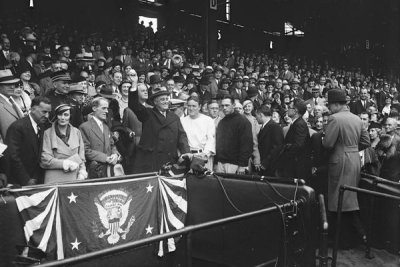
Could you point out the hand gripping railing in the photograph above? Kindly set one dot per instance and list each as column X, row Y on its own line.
column 342, row 189
column 187, row 232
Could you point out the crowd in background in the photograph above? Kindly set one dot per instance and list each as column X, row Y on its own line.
column 69, row 83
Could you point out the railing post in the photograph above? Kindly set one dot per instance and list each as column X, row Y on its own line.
column 338, row 225
column 189, row 249
column 323, row 253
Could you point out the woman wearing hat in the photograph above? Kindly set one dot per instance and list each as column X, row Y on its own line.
column 254, row 162
column 21, row 100
column 31, row 89
column 63, row 154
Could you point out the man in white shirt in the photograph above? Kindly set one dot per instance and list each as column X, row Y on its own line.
column 200, row 130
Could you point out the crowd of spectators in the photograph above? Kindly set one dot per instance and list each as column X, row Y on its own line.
column 87, row 86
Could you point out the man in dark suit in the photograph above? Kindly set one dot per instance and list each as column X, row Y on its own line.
column 204, row 90
column 286, row 74
column 124, row 57
column 162, row 133
column 270, row 140
column 362, row 105
column 99, row 145
column 24, row 139
column 141, row 63
column 5, row 53
column 237, row 92
column 295, row 159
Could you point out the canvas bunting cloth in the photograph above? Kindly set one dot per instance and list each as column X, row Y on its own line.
column 68, row 220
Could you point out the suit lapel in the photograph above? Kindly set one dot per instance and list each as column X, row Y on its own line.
column 96, row 130
column 31, row 134
column 8, row 107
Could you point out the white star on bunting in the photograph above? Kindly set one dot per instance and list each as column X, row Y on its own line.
column 149, row 188
column 75, row 245
column 149, row 230
column 72, row 198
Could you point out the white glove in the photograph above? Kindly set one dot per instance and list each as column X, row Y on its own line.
column 69, row 165
column 82, row 175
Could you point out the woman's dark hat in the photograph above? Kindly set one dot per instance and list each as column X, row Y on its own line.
column 62, row 108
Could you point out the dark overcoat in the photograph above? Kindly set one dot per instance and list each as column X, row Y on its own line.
column 162, row 137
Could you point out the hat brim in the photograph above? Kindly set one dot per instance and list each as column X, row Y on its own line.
column 12, row 81
column 108, row 96
column 159, row 94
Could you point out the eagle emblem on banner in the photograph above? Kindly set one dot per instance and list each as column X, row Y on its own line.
column 113, row 210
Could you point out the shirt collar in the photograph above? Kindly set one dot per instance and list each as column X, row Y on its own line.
column 34, row 124
column 99, row 122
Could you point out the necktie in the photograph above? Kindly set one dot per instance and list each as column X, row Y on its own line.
column 38, row 132
column 315, row 101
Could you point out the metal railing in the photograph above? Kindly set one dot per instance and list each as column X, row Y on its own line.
column 187, row 232
column 323, row 252
column 342, row 189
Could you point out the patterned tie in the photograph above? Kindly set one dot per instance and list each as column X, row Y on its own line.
column 38, row 132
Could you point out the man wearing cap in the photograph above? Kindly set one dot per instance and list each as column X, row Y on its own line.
column 316, row 99
column 237, row 91
column 162, row 133
column 204, row 90
column 8, row 110
column 344, row 137
column 77, row 94
column 178, row 107
column 59, row 95
column 155, row 82
column 24, row 139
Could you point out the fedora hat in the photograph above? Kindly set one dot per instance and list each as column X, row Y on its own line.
column 107, row 92
column 6, row 77
column 155, row 79
column 158, row 92
column 252, row 91
column 336, row 96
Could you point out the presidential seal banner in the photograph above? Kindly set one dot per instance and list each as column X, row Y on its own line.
column 86, row 217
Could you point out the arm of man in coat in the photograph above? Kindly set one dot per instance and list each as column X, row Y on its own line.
column 331, row 133
column 245, row 144
column 183, row 143
column 277, row 139
column 134, row 104
column 300, row 134
column 364, row 139
column 14, row 139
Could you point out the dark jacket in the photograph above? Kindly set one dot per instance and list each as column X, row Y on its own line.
column 23, row 152
column 234, row 140
column 357, row 107
column 295, row 160
column 270, row 140
column 161, row 138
